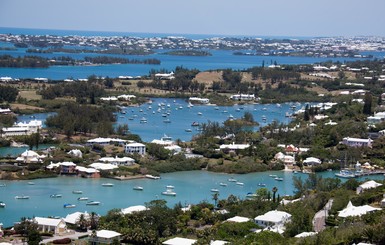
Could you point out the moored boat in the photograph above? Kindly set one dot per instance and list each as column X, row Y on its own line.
column 169, row 193
column 2, row 204
column 261, row 184
column 149, row 176
column 77, row 192
column 55, row 195
column 214, row 190
column 138, row 188
column 344, row 173
column 92, row 203
column 170, row 186
column 278, row 178
column 107, row 184
column 22, row 197
column 68, row 205
column 251, row 195
column 83, row 199
column 240, row 183
column 232, row 179
column 222, row 184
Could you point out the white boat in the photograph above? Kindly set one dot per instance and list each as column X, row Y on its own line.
column 31, row 183
column 149, row 176
column 68, row 205
column 214, row 190
column 240, row 183
column 3, row 185
column 92, row 203
column 188, row 130
column 107, row 184
column 138, row 188
column 222, row 184
column 195, row 124
column 344, row 173
column 2, row 204
column 143, row 120
column 22, row 197
column 169, row 193
column 83, row 199
column 273, row 175
column 251, row 195
column 232, row 179
column 77, row 192
column 278, row 178
column 170, row 187
column 199, row 113
column 55, row 195
column 262, row 184
column 167, row 120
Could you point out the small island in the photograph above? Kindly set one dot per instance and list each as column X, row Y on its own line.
column 188, row 53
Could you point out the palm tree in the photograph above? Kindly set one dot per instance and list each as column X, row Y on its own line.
column 215, row 198
column 82, row 222
column 274, row 190
column 94, row 221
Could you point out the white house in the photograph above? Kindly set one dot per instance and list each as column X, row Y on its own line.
column 104, row 237
column 76, row 153
column 74, row 217
column 238, row 219
column 311, row 161
column 243, row 97
column 132, row 209
column 199, row 100
column 356, row 142
column 371, row 184
column 351, row 210
column 233, row 146
column 57, row 226
column 273, row 219
column 119, row 161
column 106, row 141
column 127, row 97
column 22, row 128
column 30, row 157
column 132, row 148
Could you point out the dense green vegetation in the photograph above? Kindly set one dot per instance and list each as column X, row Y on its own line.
column 113, row 60
column 188, row 53
column 22, row 62
column 8, row 94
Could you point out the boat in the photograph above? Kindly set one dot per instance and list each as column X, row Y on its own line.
column 107, row 184
column 169, row 193
column 22, row 197
column 273, row 175
column 31, row 183
column 68, row 205
column 138, row 188
column 199, row 113
column 55, row 195
column 77, row 192
column 232, row 179
column 329, row 169
column 3, row 185
column 239, row 183
column 170, row 186
column 295, row 172
column 188, row 130
column 167, row 120
column 222, row 184
column 262, row 184
column 216, row 108
column 344, row 173
column 143, row 120
column 92, row 203
column 149, row 176
column 251, row 195
column 195, row 124
column 2, row 204
column 214, row 190
column 82, row 198
column 231, row 117
column 278, row 178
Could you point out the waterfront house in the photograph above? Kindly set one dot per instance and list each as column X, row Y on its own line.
column 133, row 148
column 30, row 157
column 356, row 142
column 273, row 219
column 243, row 97
column 179, row 241
column 132, row 209
column 175, row 149
column 74, row 217
column 311, row 161
column 88, row 172
column 118, row 161
column 104, row 237
column 371, row 184
column 56, row 226
column 103, row 166
column 351, row 210
column 199, row 100
column 126, row 97
column 22, row 128
column 67, row 167
column 106, row 141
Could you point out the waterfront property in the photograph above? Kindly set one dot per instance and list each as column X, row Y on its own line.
column 132, row 148
column 199, row 100
column 104, row 237
column 244, row 97
column 273, row 219
column 367, row 185
column 22, row 128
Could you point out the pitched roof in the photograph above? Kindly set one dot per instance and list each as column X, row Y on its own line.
column 179, row 241
column 48, row 221
column 273, row 216
column 107, row 234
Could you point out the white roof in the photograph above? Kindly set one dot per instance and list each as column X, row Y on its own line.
column 29, row 153
column 311, row 160
column 67, row 164
column 135, row 144
column 162, row 142
column 351, row 210
column 370, row 184
column 48, row 221
column 218, row 242
column 107, row 234
column 234, row 146
column 238, row 219
column 273, row 216
column 132, row 209
column 179, row 241
column 73, row 218
column 116, row 159
column 306, row 234
column 103, row 166
column 87, row 170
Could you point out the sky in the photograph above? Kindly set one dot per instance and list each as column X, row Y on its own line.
column 305, row 18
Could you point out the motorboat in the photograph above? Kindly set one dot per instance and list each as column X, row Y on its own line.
column 149, row 176
column 77, row 192
column 232, row 179
column 167, row 120
column 188, row 130
column 195, row 124
column 83, row 199
column 344, row 173
column 143, row 120
column 170, row 187
column 2, row 204
column 31, row 183
column 92, row 203
column 222, row 184
column 273, row 175
column 251, row 195
column 200, row 114
column 169, row 193
column 278, row 178
column 240, row 183
column 3, row 185
column 138, row 188
column 68, row 205
column 214, row 190
column 22, row 197
column 55, row 195
column 262, row 184
column 107, row 184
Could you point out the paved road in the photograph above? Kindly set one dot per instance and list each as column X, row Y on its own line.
column 72, row 236
column 320, row 217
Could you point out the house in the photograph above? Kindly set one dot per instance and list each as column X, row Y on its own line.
column 126, row 97
column 199, row 100
column 103, row 166
column 88, row 172
column 133, row 209
column 30, row 157
column 179, row 241
column 104, row 237
column 132, row 148
column 356, row 142
column 67, row 167
column 233, row 147
column 243, row 97
column 74, row 217
column 76, row 153
column 106, row 141
column 22, row 128
column 174, row 148
column 351, row 210
column 56, row 226
column 273, row 219
column 118, row 161
column 311, row 161
column 238, row 219
column 371, row 184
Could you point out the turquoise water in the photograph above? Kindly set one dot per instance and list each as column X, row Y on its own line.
column 122, row 195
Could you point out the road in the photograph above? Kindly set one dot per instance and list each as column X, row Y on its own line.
column 320, row 217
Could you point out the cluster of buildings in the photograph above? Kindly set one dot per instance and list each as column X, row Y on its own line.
column 22, row 128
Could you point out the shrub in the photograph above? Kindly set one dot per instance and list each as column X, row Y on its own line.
column 62, row 241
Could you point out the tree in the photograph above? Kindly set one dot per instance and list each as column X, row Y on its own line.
column 248, row 117
column 274, row 190
column 82, row 223
column 367, row 104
